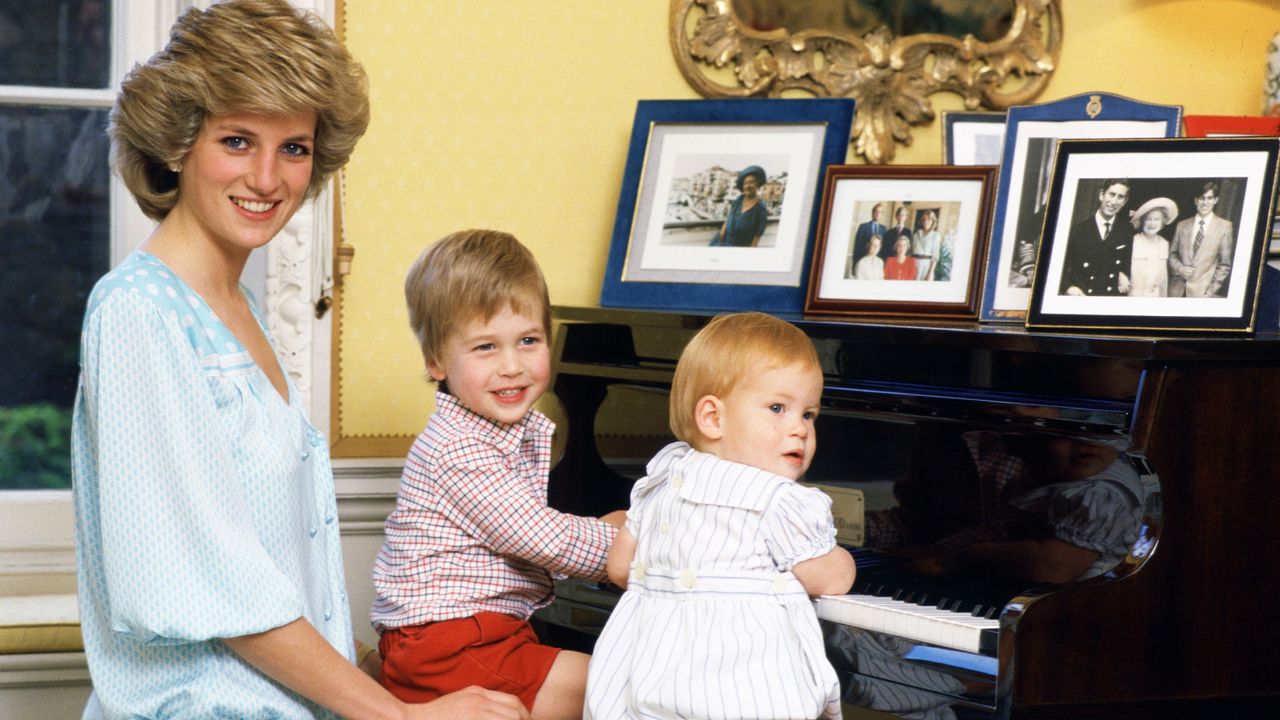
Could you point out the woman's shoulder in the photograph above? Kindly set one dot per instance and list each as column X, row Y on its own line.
column 141, row 285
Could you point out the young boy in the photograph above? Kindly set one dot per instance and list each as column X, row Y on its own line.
column 472, row 546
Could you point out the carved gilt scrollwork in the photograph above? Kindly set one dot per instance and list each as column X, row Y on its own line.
column 890, row 78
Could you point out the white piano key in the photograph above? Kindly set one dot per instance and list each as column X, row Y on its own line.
column 922, row 623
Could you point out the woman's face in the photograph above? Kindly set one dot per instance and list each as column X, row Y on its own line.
column 245, row 176
column 927, row 222
column 750, row 186
column 900, row 246
column 1152, row 222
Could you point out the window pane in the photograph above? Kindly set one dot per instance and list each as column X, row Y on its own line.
column 55, row 43
column 54, row 244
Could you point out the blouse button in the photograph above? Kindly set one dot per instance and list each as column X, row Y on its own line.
column 328, row 519
column 639, row 570
column 688, row 577
column 312, row 531
column 305, row 454
column 328, row 614
column 779, row 582
column 664, row 528
column 677, row 481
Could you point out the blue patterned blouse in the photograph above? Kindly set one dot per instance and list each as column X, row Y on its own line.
column 204, row 508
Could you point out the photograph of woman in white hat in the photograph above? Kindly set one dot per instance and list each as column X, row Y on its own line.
column 1149, row 265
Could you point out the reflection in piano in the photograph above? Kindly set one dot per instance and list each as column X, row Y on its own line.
column 1167, row 614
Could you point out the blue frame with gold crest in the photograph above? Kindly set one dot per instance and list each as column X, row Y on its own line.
column 1026, row 165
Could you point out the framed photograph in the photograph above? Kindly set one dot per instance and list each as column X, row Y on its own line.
column 1230, row 125
column 718, row 202
column 972, row 138
column 1156, row 235
column 901, row 240
column 1026, row 165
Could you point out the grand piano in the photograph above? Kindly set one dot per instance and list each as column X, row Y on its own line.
column 1187, row 624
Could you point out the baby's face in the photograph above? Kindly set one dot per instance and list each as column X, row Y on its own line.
column 1077, row 460
column 768, row 422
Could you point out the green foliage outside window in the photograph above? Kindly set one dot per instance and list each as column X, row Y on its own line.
column 35, row 448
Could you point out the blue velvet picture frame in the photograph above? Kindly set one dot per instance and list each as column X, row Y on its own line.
column 681, row 289
column 1026, row 166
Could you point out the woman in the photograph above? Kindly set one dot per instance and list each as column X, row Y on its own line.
column 1149, row 262
column 925, row 246
column 209, row 561
column 747, row 214
column 901, row 266
column 870, row 266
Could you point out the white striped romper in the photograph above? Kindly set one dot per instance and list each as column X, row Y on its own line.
column 714, row 624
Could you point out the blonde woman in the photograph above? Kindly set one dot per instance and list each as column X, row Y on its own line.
column 926, row 244
column 209, row 559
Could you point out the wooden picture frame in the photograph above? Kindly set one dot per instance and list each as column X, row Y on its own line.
column 945, row 209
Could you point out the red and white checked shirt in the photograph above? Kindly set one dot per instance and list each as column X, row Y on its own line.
column 471, row 531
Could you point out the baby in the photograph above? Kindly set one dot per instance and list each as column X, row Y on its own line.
column 722, row 549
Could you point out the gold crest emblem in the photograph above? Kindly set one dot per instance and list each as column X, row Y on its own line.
column 1094, row 107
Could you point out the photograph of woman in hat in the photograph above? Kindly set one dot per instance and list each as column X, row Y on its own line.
column 1149, row 264
column 747, row 215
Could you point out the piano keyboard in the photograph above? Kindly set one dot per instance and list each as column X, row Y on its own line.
column 922, row 623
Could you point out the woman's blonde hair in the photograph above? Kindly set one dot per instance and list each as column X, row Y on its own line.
column 251, row 56
column 471, row 275
column 724, row 354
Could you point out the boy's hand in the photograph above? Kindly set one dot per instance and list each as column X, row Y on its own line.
column 617, row 518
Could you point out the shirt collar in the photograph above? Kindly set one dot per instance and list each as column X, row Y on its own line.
column 708, row 479
column 532, row 426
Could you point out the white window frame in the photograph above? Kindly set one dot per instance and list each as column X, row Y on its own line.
column 37, row 548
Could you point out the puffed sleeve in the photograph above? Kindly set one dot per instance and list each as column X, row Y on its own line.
column 180, row 558
column 797, row 525
column 1098, row 515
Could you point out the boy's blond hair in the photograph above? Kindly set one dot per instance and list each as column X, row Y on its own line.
column 471, row 275
column 723, row 354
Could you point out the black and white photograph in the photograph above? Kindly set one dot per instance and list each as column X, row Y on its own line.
column 900, row 240
column 1030, row 147
column 1155, row 234
column 719, row 201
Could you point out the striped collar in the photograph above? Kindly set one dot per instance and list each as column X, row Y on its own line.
column 709, row 480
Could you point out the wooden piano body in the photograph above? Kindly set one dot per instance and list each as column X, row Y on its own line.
column 1187, row 625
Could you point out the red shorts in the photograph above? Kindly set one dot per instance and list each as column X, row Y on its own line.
column 497, row 652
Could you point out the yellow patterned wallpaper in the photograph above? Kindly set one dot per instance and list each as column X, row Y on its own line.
column 516, row 115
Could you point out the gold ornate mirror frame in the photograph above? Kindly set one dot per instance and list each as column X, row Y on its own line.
column 890, row 78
